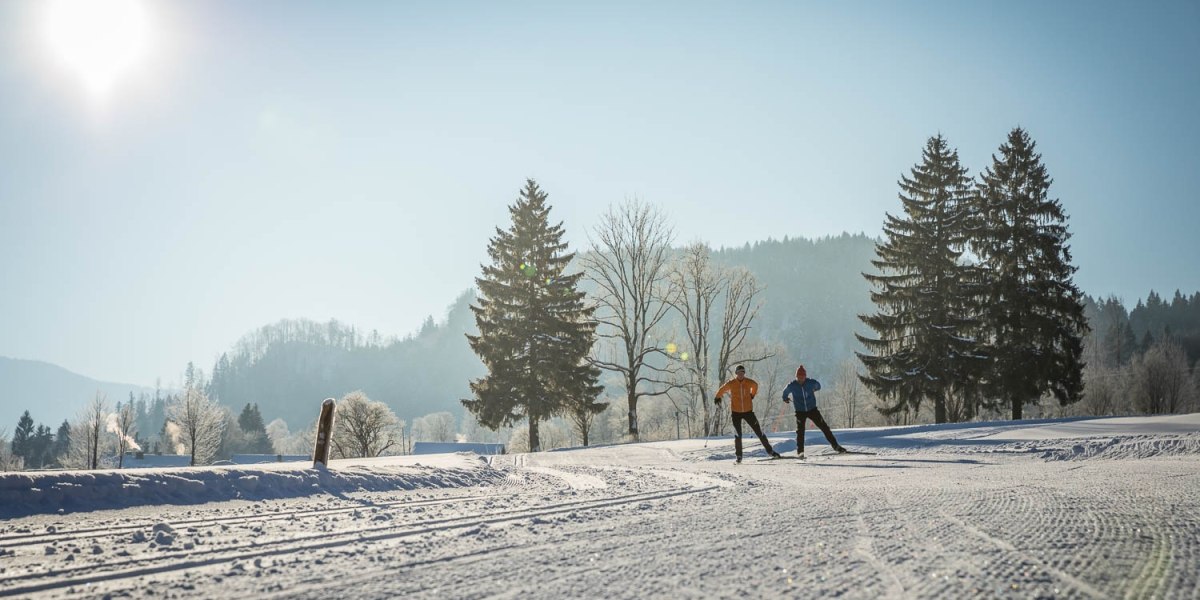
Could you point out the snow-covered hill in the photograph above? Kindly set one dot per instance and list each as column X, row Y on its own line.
column 1076, row 508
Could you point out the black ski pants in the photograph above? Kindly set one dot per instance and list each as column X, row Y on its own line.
column 801, row 423
column 752, row 421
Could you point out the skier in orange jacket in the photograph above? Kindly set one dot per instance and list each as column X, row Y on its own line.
column 741, row 390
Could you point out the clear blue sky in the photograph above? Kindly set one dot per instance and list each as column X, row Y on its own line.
column 349, row 160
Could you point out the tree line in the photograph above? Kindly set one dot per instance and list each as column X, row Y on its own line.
column 195, row 426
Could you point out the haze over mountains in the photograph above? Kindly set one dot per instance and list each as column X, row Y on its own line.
column 49, row 392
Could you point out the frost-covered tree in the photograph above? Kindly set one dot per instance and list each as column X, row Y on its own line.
column 1104, row 390
column 363, row 427
column 285, row 441
column 924, row 346
column 91, row 429
column 535, row 331
column 1161, row 380
column 201, row 423
column 436, row 427
column 8, row 460
column 849, row 395
column 1033, row 312
column 123, row 424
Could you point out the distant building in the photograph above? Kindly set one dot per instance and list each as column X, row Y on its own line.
column 140, row 460
column 258, row 459
column 452, row 447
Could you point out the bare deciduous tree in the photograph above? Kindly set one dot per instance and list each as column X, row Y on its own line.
column 1162, row 382
column 436, row 427
column 701, row 290
column 8, row 460
column 1102, row 389
column 123, row 424
column 363, row 427
column 629, row 264
column 91, row 430
column 581, row 413
column 773, row 373
column 741, row 308
column 201, row 423
column 696, row 286
column 850, row 396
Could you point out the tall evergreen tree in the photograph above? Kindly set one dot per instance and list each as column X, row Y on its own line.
column 1034, row 312
column 250, row 421
column 534, row 330
column 22, row 437
column 924, row 347
column 62, row 443
column 40, row 446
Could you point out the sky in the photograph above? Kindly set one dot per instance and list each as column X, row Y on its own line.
column 207, row 168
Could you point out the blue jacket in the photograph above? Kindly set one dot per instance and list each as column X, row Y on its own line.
column 804, row 396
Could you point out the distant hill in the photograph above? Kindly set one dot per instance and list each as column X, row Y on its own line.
column 49, row 392
column 813, row 293
column 287, row 368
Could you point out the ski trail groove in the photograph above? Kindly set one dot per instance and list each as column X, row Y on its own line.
column 318, row 541
column 28, row 539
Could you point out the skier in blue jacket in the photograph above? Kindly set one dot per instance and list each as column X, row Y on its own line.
column 803, row 391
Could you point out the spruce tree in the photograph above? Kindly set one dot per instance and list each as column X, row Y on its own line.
column 1033, row 316
column 40, row 446
column 250, row 421
column 62, row 443
column 924, row 347
column 535, row 331
column 23, row 437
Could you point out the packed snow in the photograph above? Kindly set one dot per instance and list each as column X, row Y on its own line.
column 1083, row 508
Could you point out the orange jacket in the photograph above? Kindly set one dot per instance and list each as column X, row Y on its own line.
column 741, row 393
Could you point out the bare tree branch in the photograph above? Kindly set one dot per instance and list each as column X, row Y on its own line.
column 629, row 266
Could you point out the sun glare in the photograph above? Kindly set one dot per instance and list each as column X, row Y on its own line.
column 101, row 41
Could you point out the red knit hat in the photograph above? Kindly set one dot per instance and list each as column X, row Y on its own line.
column 801, row 373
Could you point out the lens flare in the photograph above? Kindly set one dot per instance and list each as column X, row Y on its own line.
column 671, row 348
column 683, row 356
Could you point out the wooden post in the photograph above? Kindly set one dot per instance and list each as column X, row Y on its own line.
column 324, row 433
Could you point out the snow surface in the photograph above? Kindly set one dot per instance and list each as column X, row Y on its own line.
column 1084, row 508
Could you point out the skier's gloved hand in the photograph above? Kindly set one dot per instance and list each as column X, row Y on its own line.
column 717, row 400
column 787, row 400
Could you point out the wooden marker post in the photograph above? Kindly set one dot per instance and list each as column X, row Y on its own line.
column 324, row 433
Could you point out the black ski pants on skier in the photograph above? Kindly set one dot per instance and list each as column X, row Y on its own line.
column 752, row 421
column 801, row 423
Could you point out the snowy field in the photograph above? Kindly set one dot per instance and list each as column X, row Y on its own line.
column 1099, row 508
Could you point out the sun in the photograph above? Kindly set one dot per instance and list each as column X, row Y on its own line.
column 101, row 41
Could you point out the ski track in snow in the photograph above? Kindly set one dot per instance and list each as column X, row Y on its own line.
column 1103, row 508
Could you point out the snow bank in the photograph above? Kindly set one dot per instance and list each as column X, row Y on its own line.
column 70, row 491
column 1127, row 448
column 1077, row 438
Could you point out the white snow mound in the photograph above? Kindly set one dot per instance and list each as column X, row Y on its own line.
column 70, row 491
